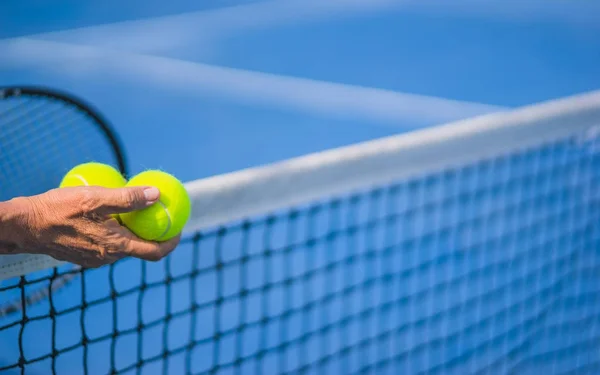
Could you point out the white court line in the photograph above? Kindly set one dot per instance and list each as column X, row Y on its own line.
column 319, row 97
column 159, row 34
column 193, row 28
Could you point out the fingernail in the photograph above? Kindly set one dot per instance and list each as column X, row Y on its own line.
column 151, row 194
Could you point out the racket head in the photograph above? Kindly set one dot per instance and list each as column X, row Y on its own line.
column 45, row 132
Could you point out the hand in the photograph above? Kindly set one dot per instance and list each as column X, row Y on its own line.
column 75, row 225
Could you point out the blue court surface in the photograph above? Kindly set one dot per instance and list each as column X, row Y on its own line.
column 205, row 89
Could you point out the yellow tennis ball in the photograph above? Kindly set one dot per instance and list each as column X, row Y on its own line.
column 93, row 174
column 166, row 218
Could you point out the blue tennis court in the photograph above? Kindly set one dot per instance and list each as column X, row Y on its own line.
column 490, row 57
column 202, row 91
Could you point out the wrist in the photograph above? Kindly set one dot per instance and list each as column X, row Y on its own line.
column 13, row 225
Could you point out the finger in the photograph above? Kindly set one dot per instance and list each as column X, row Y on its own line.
column 156, row 251
column 146, row 250
column 151, row 251
column 115, row 201
column 105, row 260
column 168, row 246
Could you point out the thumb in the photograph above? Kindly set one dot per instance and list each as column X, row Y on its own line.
column 128, row 199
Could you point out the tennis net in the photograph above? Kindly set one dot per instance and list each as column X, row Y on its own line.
column 467, row 248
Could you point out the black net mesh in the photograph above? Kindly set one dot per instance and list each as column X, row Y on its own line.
column 44, row 133
column 490, row 268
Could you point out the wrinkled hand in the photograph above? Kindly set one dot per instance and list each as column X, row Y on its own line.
column 75, row 225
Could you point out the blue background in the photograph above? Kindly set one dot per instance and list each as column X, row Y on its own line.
column 484, row 54
column 464, row 52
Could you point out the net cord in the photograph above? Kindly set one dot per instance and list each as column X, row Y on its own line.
column 231, row 197
column 227, row 198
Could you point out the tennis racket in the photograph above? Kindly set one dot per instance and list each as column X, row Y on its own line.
column 43, row 133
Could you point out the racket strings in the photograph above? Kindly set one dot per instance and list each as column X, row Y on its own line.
column 43, row 134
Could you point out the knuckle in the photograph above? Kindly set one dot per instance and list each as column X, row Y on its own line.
column 88, row 200
column 130, row 196
column 102, row 254
column 122, row 245
column 117, row 247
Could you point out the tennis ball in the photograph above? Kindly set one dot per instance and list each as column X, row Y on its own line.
column 166, row 218
column 93, row 174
